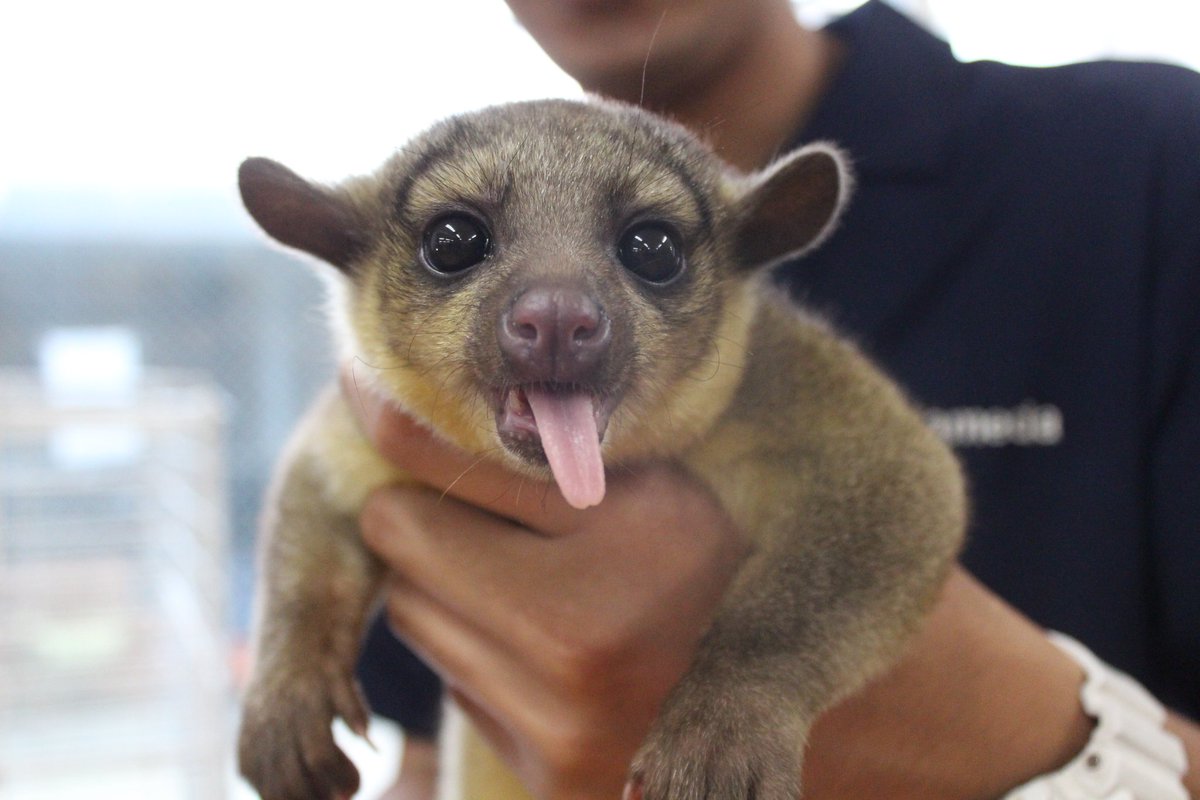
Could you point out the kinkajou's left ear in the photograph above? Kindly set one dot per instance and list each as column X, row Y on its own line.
column 792, row 205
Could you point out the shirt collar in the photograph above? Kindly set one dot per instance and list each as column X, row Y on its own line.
column 889, row 102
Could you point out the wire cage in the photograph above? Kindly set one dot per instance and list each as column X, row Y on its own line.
column 114, row 540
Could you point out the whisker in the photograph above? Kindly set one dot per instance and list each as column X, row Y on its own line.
column 622, row 466
column 358, row 392
column 463, row 474
column 419, row 329
column 717, row 364
column 359, row 359
column 504, row 490
column 546, row 494
column 437, row 397
column 649, row 50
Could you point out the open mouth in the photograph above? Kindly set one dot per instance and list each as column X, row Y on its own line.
column 562, row 426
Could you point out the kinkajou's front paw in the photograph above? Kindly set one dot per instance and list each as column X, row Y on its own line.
column 286, row 748
column 717, row 744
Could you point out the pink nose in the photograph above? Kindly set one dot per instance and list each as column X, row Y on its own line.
column 554, row 334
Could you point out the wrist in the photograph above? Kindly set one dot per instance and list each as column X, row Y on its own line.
column 981, row 703
column 1130, row 755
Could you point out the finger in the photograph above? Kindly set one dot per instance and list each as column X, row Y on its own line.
column 483, row 567
column 558, row 602
column 476, row 478
column 452, row 645
column 493, row 672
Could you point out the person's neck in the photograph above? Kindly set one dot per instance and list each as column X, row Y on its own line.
column 751, row 106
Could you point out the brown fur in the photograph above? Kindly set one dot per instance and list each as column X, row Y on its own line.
column 854, row 507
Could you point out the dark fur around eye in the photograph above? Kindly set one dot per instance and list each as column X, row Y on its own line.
column 652, row 251
column 454, row 243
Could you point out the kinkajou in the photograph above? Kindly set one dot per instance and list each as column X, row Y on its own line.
column 570, row 286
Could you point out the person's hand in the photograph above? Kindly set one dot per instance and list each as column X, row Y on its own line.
column 560, row 632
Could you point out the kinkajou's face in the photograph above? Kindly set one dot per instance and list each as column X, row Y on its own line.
column 554, row 283
column 549, row 288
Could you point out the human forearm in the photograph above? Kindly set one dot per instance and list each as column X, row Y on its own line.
column 978, row 682
column 982, row 703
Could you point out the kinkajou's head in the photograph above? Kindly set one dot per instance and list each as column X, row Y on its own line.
column 553, row 281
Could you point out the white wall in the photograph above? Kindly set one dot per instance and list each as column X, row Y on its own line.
column 127, row 96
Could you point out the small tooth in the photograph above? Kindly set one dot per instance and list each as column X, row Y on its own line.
column 516, row 403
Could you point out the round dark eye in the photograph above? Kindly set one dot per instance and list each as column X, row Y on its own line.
column 652, row 252
column 456, row 242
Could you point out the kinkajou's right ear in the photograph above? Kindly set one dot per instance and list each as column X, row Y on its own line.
column 301, row 214
column 793, row 205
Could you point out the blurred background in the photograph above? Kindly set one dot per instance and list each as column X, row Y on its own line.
column 155, row 352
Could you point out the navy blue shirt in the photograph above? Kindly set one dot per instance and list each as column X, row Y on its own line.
column 1023, row 254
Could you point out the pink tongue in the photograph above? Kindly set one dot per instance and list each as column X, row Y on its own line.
column 567, row 426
